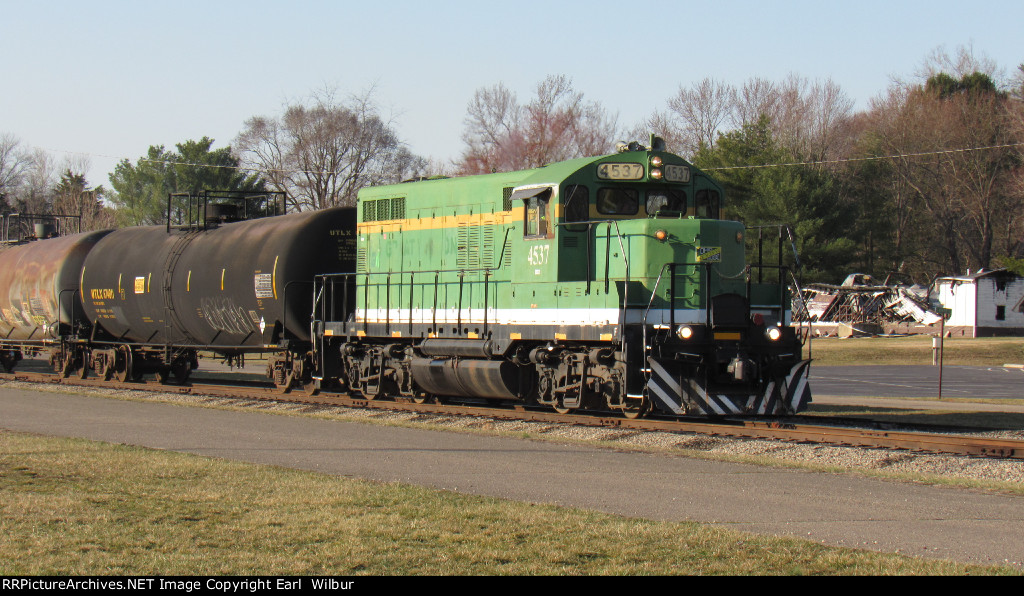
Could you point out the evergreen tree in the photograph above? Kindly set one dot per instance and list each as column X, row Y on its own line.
column 141, row 190
column 806, row 198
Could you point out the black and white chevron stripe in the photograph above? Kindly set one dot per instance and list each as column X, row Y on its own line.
column 789, row 396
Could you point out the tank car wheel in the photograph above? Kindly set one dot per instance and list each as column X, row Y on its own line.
column 123, row 366
column 82, row 372
column 67, row 365
column 181, row 372
column 8, row 358
column 311, row 388
column 424, row 399
column 286, row 385
column 162, row 376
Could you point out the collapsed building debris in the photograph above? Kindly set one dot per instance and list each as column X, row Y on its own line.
column 863, row 306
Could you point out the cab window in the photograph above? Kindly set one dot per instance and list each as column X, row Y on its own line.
column 665, row 200
column 538, row 222
column 707, row 203
column 618, row 201
column 576, row 203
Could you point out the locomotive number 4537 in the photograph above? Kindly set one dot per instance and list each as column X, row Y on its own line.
column 539, row 255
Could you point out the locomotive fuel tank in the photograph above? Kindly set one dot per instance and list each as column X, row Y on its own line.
column 39, row 286
column 243, row 285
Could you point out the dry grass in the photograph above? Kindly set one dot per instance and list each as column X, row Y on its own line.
column 83, row 508
column 916, row 349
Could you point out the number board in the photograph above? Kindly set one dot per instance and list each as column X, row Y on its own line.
column 620, row 171
column 677, row 173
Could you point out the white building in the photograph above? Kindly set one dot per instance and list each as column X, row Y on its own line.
column 984, row 304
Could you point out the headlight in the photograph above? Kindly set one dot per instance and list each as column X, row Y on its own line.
column 656, row 161
column 684, row 332
column 656, row 174
column 774, row 333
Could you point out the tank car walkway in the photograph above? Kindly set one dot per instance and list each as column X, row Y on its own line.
column 842, row 510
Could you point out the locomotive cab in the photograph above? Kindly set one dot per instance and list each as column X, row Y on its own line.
column 714, row 335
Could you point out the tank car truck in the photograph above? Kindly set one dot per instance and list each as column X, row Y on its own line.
column 601, row 283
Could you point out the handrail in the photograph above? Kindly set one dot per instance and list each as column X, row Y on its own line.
column 706, row 285
column 625, row 259
column 324, row 279
column 348, row 276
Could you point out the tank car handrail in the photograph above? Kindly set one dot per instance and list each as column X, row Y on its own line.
column 201, row 200
column 71, row 309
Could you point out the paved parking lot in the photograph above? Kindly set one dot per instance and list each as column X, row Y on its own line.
column 918, row 381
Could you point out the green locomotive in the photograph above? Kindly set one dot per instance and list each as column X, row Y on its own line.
column 606, row 283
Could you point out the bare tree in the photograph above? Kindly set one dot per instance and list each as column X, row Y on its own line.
column 829, row 111
column 1017, row 84
column 321, row 153
column 14, row 164
column 757, row 97
column 959, row 64
column 807, row 117
column 700, row 111
column 36, row 192
column 968, row 197
column 558, row 124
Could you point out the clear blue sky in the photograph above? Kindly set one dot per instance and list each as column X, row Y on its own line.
column 110, row 78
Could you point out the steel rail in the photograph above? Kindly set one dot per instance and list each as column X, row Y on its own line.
column 942, row 443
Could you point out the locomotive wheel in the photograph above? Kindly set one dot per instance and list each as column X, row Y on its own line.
column 636, row 410
column 560, row 406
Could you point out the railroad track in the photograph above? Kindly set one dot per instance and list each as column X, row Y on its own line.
column 793, row 430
